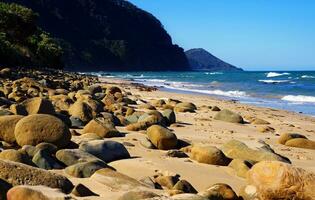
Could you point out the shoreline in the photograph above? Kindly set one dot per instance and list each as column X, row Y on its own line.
column 117, row 80
column 202, row 128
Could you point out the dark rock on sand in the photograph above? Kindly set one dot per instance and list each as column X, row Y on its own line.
column 44, row 160
column 85, row 169
column 74, row 156
column 81, row 190
column 229, row 116
column 107, row 151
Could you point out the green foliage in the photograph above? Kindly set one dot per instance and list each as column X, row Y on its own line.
column 22, row 42
column 48, row 52
column 17, row 21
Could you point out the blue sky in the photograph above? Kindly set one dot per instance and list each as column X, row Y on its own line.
column 252, row 34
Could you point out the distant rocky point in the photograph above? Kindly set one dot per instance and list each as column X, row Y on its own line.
column 201, row 60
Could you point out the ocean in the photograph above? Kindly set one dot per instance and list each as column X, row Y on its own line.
column 288, row 90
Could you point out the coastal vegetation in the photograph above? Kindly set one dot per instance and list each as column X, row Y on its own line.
column 22, row 42
column 112, row 35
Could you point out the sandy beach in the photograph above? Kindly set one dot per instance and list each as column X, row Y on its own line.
column 122, row 141
column 201, row 128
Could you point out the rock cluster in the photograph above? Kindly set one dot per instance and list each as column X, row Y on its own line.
column 70, row 123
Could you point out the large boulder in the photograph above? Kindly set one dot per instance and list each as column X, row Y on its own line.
column 238, row 150
column 27, row 192
column 7, row 126
column 20, row 174
column 107, row 151
column 103, row 128
column 74, row 156
column 277, row 180
column 38, row 105
column 289, row 136
column 116, row 180
column 161, row 137
column 144, row 123
column 301, row 143
column 34, row 129
column 82, row 111
column 209, row 155
column 185, row 107
column 229, row 116
column 219, row 191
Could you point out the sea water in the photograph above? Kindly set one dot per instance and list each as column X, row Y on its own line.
column 290, row 90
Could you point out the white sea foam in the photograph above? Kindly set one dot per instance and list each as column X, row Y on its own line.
column 235, row 93
column 275, row 74
column 307, row 76
column 274, row 81
column 213, row 73
column 299, row 98
column 153, row 80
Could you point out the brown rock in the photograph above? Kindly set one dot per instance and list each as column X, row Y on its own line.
column 185, row 107
column 167, row 181
column 34, row 129
column 26, row 192
column 7, row 126
column 219, row 191
column 277, row 180
column 38, row 105
column 15, row 156
column 19, row 174
column 301, row 143
column 116, row 180
column 161, row 137
column 238, row 150
column 229, row 116
column 81, row 110
column 288, row 136
column 209, row 155
column 240, row 166
column 138, row 195
column 102, row 128
column 185, row 187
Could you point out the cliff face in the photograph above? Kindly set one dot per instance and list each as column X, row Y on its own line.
column 107, row 35
column 200, row 59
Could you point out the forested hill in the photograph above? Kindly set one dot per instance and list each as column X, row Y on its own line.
column 107, row 35
column 23, row 43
